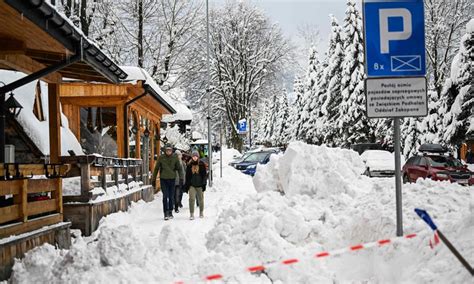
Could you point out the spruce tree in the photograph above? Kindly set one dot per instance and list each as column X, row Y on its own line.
column 458, row 93
column 293, row 129
column 308, row 99
column 353, row 125
column 330, row 87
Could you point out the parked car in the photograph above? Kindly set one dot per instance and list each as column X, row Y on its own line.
column 361, row 148
column 436, row 165
column 249, row 165
column 250, row 152
column 379, row 163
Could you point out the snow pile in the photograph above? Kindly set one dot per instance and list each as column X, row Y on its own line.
column 324, row 215
column 243, row 228
column 311, row 170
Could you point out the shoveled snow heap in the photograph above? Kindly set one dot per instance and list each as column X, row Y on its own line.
column 309, row 199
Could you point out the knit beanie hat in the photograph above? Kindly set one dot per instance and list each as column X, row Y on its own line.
column 195, row 153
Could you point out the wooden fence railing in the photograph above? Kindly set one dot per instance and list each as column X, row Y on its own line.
column 94, row 171
column 21, row 211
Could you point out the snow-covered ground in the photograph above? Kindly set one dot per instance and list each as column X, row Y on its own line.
column 308, row 200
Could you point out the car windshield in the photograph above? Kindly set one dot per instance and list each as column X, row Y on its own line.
column 440, row 161
column 256, row 157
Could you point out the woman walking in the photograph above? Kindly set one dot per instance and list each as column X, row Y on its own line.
column 196, row 184
column 179, row 183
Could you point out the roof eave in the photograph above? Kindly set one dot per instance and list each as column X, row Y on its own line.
column 47, row 18
column 157, row 96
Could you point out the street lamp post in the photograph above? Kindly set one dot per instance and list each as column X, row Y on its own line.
column 209, row 138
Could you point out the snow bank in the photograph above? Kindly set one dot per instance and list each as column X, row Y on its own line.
column 314, row 198
column 244, row 228
column 311, row 170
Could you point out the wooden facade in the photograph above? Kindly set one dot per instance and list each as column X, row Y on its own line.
column 37, row 40
column 75, row 96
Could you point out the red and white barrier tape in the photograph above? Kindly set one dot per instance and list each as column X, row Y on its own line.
column 319, row 255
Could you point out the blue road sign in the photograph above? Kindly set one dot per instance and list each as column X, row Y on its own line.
column 394, row 38
column 242, row 126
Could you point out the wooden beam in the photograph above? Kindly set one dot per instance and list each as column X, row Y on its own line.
column 27, row 65
column 94, row 102
column 6, row 231
column 73, row 114
column 10, row 187
column 57, row 194
column 120, row 131
column 138, row 146
column 54, row 123
column 12, row 46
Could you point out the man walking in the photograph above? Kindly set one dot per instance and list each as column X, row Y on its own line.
column 168, row 165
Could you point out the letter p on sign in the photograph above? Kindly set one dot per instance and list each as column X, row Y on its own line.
column 385, row 35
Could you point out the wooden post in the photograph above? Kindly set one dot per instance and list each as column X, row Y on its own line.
column 152, row 150
column 54, row 123
column 58, row 194
column 103, row 177
column 116, row 176
column 85, row 181
column 120, row 131
column 22, row 200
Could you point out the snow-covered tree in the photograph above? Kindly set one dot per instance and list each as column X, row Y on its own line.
column 458, row 94
column 330, row 87
column 444, row 22
column 247, row 52
column 151, row 34
column 293, row 129
column 310, row 104
column 411, row 133
column 354, row 126
column 279, row 136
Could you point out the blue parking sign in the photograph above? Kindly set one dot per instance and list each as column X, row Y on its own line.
column 394, row 38
column 242, row 126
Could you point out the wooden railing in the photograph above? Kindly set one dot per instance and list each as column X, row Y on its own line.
column 94, row 170
column 19, row 213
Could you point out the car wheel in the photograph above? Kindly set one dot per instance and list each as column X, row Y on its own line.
column 405, row 178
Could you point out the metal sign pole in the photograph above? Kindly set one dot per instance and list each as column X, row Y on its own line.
column 222, row 130
column 398, row 180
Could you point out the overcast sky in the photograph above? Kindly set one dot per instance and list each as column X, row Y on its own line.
column 293, row 13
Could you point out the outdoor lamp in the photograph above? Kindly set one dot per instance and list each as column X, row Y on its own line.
column 134, row 129
column 13, row 106
column 146, row 132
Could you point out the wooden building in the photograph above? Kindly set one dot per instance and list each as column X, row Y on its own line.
column 36, row 40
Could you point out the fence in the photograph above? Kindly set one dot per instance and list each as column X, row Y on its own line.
column 20, row 210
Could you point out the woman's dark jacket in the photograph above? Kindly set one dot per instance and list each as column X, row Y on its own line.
column 189, row 177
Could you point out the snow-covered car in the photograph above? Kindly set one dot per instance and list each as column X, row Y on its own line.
column 379, row 163
column 249, row 165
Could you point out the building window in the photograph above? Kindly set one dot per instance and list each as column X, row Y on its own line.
column 99, row 131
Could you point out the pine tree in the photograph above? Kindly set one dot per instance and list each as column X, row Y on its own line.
column 411, row 136
column 330, row 96
column 281, row 120
column 458, row 95
column 293, row 129
column 308, row 99
column 354, row 126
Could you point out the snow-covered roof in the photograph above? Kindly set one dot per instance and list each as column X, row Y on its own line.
column 139, row 74
column 38, row 131
column 196, row 135
column 183, row 113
